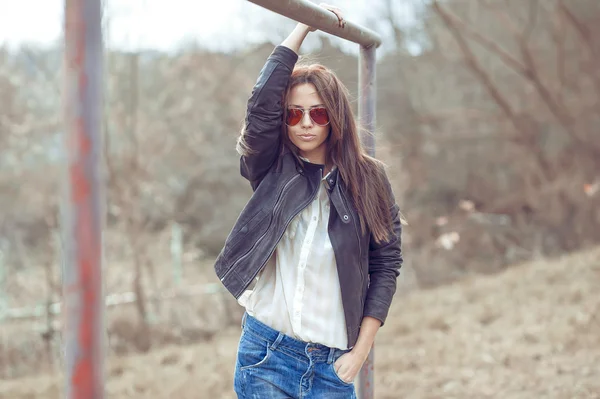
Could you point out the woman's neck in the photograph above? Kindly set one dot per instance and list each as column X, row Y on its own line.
column 319, row 161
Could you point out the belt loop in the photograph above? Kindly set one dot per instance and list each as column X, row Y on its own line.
column 331, row 357
column 275, row 344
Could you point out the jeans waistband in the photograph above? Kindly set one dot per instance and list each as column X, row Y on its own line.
column 315, row 351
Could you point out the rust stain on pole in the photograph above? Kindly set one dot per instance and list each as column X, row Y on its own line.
column 82, row 277
column 366, row 115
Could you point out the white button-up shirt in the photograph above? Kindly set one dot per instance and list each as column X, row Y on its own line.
column 298, row 291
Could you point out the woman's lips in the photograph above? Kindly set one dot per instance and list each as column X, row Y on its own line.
column 306, row 137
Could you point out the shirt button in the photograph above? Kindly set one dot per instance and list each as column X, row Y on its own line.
column 346, row 217
column 331, row 181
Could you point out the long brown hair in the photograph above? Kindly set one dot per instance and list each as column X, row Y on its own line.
column 362, row 174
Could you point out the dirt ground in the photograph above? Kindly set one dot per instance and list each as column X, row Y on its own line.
column 532, row 331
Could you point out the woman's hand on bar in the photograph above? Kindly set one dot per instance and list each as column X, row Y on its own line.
column 295, row 39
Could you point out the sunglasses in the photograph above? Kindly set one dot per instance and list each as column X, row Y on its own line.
column 318, row 115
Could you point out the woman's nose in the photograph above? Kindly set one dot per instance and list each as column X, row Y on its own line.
column 306, row 121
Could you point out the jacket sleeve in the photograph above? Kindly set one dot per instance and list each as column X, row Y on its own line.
column 261, row 136
column 385, row 261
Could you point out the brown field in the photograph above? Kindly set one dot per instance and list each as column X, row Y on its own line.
column 532, row 331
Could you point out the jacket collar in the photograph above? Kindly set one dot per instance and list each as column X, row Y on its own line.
column 330, row 178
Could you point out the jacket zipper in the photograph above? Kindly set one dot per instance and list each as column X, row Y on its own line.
column 277, row 203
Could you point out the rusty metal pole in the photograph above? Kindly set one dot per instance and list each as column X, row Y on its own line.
column 82, row 222
column 366, row 114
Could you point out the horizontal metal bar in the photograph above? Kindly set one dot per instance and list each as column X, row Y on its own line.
column 313, row 15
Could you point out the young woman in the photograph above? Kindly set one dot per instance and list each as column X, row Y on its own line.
column 319, row 238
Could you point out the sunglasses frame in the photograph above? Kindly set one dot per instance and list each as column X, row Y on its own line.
column 304, row 113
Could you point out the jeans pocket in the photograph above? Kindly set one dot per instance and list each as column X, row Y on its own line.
column 335, row 374
column 253, row 351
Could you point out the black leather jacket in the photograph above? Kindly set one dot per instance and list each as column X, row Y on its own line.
column 283, row 187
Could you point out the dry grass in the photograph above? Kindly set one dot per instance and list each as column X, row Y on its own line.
column 532, row 331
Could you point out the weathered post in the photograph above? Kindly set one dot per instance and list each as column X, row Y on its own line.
column 366, row 114
column 82, row 223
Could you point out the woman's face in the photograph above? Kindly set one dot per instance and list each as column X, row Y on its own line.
column 308, row 136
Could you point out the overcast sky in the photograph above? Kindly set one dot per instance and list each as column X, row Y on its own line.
column 161, row 24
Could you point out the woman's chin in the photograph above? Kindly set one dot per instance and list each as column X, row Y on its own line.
column 305, row 149
column 309, row 150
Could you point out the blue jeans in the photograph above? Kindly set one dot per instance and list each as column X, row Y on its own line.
column 271, row 365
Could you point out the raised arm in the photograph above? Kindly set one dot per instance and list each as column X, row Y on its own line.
column 260, row 141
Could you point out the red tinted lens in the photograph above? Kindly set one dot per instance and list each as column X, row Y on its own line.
column 319, row 116
column 294, row 116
